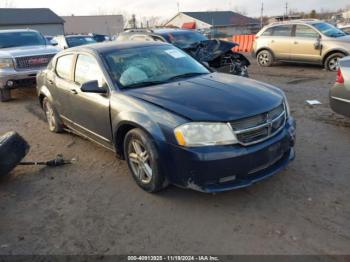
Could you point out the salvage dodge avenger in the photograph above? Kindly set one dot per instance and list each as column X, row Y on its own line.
column 172, row 119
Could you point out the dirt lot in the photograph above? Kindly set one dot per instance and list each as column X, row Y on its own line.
column 94, row 206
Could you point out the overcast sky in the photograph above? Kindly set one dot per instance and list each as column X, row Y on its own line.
column 168, row 8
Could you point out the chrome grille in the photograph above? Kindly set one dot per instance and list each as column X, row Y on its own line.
column 258, row 128
column 33, row 61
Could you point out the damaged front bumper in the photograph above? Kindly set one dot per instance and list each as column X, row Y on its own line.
column 222, row 168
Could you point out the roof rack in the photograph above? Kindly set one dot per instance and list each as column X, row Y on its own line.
column 138, row 30
column 294, row 21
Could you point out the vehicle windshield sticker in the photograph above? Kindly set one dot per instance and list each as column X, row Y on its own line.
column 175, row 53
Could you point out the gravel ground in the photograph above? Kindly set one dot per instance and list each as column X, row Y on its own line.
column 94, row 206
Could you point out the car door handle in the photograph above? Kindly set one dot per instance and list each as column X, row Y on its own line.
column 74, row 92
column 296, row 43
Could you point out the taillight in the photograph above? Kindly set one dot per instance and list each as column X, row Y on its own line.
column 340, row 78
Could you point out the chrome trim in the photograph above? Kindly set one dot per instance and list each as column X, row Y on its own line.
column 268, row 124
column 341, row 99
column 87, row 130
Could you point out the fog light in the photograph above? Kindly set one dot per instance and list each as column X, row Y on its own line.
column 9, row 83
column 227, row 179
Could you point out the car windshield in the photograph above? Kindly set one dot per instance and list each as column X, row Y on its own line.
column 79, row 40
column 329, row 30
column 151, row 65
column 183, row 39
column 25, row 38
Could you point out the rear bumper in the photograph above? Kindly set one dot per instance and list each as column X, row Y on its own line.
column 222, row 168
column 339, row 99
column 12, row 79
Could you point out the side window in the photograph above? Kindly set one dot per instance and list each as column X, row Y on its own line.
column 305, row 31
column 157, row 38
column 64, row 66
column 268, row 32
column 87, row 69
column 282, row 30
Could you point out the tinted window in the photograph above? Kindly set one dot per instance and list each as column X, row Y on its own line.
column 87, row 69
column 25, row 38
column 79, row 40
column 282, row 30
column 64, row 66
column 184, row 39
column 305, row 31
column 329, row 30
column 149, row 65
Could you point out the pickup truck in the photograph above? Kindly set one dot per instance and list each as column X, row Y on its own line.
column 23, row 53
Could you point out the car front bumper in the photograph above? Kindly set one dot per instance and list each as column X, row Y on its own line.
column 11, row 79
column 222, row 168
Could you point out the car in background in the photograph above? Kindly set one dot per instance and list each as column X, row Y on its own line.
column 23, row 53
column 345, row 28
column 340, row 92
column 68, row 41
column 170, row 117
column 99, row 37
column 306, row 41
column 215, row 53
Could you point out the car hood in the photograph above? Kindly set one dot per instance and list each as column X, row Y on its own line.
column 28, row 51
column 212, row 97
column 345, row 39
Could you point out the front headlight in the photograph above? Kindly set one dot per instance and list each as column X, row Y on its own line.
column 204, row 134
column 6, row 63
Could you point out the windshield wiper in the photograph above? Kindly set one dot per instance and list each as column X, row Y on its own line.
column 185, row 76
column 144, row 84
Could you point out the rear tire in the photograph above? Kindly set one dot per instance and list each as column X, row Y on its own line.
column 53, row 120
column 332, row 62
column 13, row 148
column 265, row 58
column 143, row 160
column 5, row 94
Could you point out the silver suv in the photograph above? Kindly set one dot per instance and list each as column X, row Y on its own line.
column 23, row 53
column 306, row 41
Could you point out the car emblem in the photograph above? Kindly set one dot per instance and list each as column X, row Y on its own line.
column 38, row 61
column 269, row 125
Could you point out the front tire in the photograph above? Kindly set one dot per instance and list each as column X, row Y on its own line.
column 53, row 120
column 265, row 58
column 5, row 94
column 143, row 161
column 332, row 62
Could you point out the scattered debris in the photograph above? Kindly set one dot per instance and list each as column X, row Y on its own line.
column 58, row 161
column 313, row 102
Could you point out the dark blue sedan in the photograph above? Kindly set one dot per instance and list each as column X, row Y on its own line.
column 171, row 118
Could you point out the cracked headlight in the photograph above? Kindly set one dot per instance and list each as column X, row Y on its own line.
column 204, row 134
column 6, row 63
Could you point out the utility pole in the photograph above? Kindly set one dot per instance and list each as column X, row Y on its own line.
column 262, row 15
column 286, row 9
column 178, row 7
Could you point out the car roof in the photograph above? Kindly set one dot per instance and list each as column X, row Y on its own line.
column 298, row 21
column 17, row 30
column 114, row 45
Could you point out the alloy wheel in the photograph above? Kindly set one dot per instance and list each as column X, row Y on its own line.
column 139, row 160
column 333, row 64
column 264, row 59
column 50, row 116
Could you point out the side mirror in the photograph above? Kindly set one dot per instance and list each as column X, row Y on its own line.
column 92, row 87
column 318, row 44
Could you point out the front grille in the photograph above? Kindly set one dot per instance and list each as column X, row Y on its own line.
column 258, row 128
column 33, row 61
